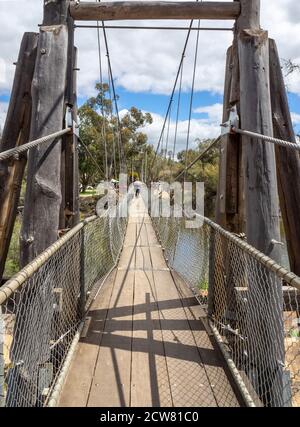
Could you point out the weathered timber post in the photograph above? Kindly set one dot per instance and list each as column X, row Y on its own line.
column 288, row 161
column 71, row 152
column 265, row 333
column 229, row 212
column 230, row 196
column 42, row 205
column 229, row 203
column 106, row 11
column 43, row 192
column 16, row 132
column 69, row 215
column 2, row 361
column 261, row 198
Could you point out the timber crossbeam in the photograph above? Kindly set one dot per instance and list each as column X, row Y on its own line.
column 108, row 11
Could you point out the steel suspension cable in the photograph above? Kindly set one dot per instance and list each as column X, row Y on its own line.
column 15, row 152
column 177, row 114
column 191, row 100
column 198, row 158
column 114, row 138
column 123, row 158
column 173, row 92
column 102, row 100
column 171, row 98
column 168, row 133
column 91, row 157
column 137, row 27
column 276, row 141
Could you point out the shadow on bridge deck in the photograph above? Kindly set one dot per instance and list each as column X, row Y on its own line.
column 145, row 343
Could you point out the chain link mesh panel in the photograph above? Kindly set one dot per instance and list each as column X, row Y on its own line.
column 38, row 320
column 249, row 299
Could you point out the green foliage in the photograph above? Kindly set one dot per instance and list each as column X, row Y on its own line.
column 206, row 171
column 12, row 265
column 133, row 176
column 99, row 125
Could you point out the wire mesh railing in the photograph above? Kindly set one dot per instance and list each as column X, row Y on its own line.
column 42, row 307
column 253, row 305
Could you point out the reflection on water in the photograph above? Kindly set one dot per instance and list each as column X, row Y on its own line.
column 284, row 253
column 189, row 241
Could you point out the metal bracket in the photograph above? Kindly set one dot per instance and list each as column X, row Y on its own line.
column 69, row 118
column 70, row 123
column 233, row 122
column 75, row 129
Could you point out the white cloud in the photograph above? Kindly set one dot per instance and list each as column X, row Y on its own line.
column 295, row 119
column 16, row 17
column 147, row 61
column 214, row 112
column 3, row 73
column 123, row 113
column 3, row 112
column 200, row 129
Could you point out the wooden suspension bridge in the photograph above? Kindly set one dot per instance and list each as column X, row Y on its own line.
column 146, row 338
column 145, row 342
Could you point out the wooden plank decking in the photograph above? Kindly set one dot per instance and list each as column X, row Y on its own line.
column 146, row 344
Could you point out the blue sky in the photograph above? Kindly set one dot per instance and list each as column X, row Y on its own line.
column 159, row 103
column 145, row 63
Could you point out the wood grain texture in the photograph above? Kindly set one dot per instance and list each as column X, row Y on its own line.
column 71, row 205
column 143, row 347
column 43, row 192
column 105, row 11
column 261, row 197
column 228, row 209
column 16, row 132
column 249, row 15
column 288, row 161
column 111, row 382
column 56, row 12
column 261, row 207
column 80, row 376
column 217, row 372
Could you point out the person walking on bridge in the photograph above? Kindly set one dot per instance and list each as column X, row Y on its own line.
column 137, row 187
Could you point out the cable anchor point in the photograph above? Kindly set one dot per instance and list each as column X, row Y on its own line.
column 232, row 123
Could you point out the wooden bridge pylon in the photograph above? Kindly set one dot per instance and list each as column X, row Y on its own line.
column 247, row 198
column 250, row 175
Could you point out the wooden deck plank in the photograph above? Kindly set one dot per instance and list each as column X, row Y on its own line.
column 158, row 260
column 111, row 382
column 142, row 239
column 215, row 368
column 143, row 260
column 150, row 383
column 79, row 379
column 189, row 383
column 151, row 236
column 145, row 345
column 127, row 259
column 130, row 237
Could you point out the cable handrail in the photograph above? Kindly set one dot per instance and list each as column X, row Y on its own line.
column 276, row 141
column 15, row 152
column 287, row 276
